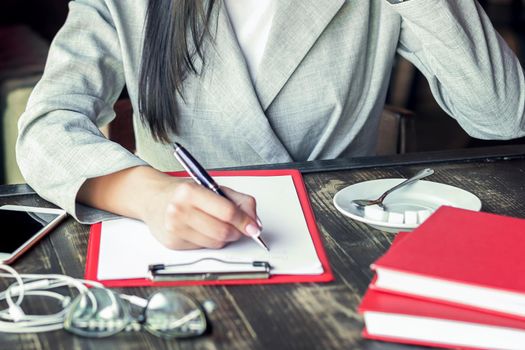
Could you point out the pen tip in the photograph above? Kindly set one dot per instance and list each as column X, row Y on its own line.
column 262, row 244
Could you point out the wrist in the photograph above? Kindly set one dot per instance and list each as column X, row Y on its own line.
column 154, row 187
column 128, row 192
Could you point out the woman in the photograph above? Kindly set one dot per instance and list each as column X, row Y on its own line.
column 308, row 83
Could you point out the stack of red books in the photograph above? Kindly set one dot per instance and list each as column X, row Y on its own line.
column 458, row 280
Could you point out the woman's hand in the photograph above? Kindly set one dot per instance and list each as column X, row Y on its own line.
column 185, row 215
column 180, row 214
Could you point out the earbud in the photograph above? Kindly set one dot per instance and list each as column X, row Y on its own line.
column 16, row 313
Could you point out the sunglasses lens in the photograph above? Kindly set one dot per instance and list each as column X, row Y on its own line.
column 97, row 313
column 173, row 315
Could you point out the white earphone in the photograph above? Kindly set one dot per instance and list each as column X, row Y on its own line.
column 15, row 320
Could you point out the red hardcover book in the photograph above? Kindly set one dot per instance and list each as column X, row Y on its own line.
column 395, row 318
column 465, row 258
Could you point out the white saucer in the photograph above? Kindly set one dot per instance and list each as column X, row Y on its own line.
column 420, row 195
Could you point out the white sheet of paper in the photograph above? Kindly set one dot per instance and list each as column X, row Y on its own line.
column 127, row 247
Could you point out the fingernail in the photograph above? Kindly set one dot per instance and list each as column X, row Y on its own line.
column 253, row 230
column 259, row 222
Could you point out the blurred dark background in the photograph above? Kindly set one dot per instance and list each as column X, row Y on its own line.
column 45, row 17
column 28, row 26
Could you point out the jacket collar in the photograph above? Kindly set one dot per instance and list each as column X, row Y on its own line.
column 296, row 26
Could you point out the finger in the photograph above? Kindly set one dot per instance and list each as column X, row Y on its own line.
column 192, row 237
column 184, row 238
column 172, row 241
column 244, row 201
column 203, row 223
column 219, row 207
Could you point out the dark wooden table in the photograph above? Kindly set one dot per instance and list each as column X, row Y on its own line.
column 293, row 316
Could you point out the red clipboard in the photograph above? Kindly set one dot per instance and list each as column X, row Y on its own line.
column 327, row 276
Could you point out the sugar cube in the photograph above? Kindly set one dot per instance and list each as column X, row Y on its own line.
column 395, row 218
column 422, row 215
column 375, row 212
column 411, row 217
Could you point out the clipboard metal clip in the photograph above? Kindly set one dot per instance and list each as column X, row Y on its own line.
column 190, row 271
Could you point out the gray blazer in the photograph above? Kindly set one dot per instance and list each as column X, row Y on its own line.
column 319, row 91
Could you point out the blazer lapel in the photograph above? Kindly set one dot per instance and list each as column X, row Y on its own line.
column 228, row 80
column 296, row 26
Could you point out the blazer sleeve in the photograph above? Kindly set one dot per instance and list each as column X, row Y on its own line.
column 473, row 74
column 59, row 144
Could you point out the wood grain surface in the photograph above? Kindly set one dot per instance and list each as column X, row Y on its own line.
column 292, row 316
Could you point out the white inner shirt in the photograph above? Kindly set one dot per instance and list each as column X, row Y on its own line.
column 251, row 21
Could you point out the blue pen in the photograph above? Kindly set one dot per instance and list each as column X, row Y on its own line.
column 201, row 176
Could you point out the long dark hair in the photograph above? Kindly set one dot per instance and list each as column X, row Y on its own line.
column 168, row 58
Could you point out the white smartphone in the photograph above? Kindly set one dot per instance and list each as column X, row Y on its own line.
column 27, row 225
